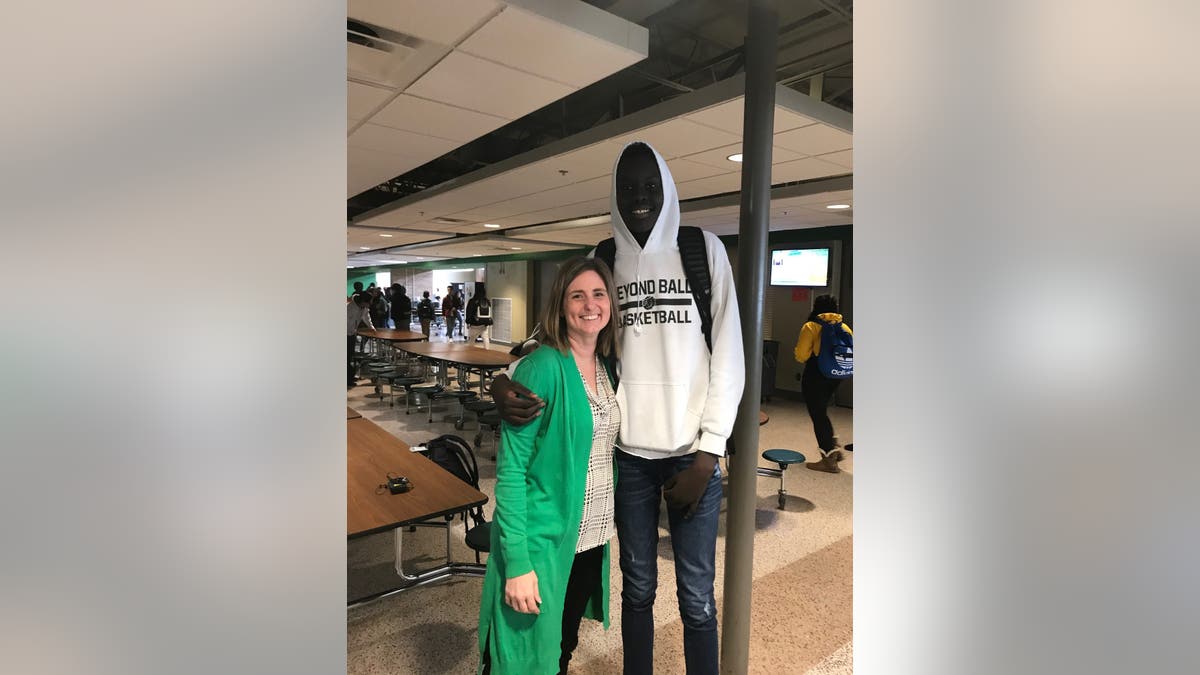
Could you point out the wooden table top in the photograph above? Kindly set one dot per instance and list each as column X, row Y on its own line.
column 351, row 413
column 371, row 453
column 458, row 352
column 393, row 335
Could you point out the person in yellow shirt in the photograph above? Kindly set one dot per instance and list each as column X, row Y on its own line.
column 818, row 389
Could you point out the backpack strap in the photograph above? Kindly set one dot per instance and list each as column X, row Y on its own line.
column 607, row 251
column 694, row 255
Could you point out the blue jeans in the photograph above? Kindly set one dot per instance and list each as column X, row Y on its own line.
column 694, row 543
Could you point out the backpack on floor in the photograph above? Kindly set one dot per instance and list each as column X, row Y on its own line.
column 836, row 358
column 454, row 455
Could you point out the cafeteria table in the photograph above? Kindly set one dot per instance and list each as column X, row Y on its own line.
column 371, row 454
column 466, row 357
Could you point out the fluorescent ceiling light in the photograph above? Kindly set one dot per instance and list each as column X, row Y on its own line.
column 735, row 157
column 516, row 248
column 364, row 248
column 385, row 235
column 477, row 255
column 493, row 225
column 838, row 206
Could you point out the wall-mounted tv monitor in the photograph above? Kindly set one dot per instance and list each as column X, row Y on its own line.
column 800, row 267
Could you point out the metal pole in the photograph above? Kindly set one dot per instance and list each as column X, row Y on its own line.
column 758, row 128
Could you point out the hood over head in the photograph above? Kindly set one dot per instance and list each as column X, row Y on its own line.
column 666, row 228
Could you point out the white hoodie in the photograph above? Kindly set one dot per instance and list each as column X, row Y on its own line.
column 675, row 398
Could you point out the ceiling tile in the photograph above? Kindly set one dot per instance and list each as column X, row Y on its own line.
column 436, row 119
column 473, row 83
column 357, row 236
column 678, row 137
column 817, row 139
column 538, row 45
column 719, row 157
column 841, row 158
column 444, row 21
column 400, row 142
column 804, row 169
column 684, row 169
column 362, row 99
column 729, row 116
column 730, row 182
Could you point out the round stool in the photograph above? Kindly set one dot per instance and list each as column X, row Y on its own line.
column 425, row 389
column 405, row 381
column 461, row 395
column 783, row 458
column 377, row 370
column 490, row 419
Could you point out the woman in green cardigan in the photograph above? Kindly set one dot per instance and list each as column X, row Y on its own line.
column 548, row 566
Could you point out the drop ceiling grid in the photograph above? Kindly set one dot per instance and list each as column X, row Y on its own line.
column 730, row 116
column 363, row 99
column 478, row 84
column 580, row 58
column 436, row 118
column 804, row 169
column 399, row 142
column 443, row 21
column 356, row 237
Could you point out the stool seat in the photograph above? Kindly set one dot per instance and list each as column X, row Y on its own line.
column 783, row 457
column 490, row 418
column 480, row 406
column 456, row 393
column 406, row 380
column 427, row 389
column 479, row 538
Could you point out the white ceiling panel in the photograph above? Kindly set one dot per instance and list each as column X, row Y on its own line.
column 357, row 236
column 579, row 59
column 729, row 116
column 363, row 99
column 580, row 210
column 476, row 84
column 436, row 119
column 817, row 139
column 684, row 169
column 678, row 137
column 804, row 169
column 843, row 158
column 359, row 178
column 596, row 188
column 399, row 142
column 444, row 21
column 729, row 182
column 719, row 157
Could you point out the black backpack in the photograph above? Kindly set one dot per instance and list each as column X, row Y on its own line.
column 425, row 309
column 454, row 455
column 694, row 256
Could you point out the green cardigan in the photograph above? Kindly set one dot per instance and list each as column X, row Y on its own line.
column 541, row 475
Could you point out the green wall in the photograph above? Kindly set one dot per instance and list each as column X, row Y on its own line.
column 367, row 278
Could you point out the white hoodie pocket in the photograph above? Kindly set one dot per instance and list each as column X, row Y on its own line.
column 656, row 416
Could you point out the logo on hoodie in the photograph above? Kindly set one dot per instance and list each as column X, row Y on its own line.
column 642, row 303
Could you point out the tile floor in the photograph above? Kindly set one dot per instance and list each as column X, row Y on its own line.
column 801, row 606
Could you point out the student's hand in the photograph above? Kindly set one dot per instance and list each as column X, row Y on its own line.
column 516, row 404
column 521, row 593
column 684, row 490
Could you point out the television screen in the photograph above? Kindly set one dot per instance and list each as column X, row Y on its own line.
column 800, row 267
